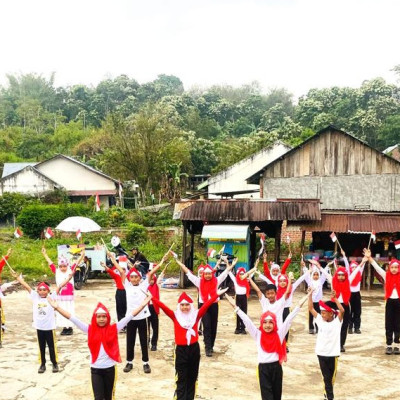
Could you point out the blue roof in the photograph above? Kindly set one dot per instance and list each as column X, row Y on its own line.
column 10, row 168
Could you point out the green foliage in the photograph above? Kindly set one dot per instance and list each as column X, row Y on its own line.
column 12, row 204
column 136, row 234
column 57, row 196
column 36, row 217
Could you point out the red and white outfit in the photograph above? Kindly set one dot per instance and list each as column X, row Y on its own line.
column 268, row 277
column 355, row 298
column 242, row 290
column 187, row 350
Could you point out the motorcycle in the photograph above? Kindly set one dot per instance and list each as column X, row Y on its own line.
column 82, row 273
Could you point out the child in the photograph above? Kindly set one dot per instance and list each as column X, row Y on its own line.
column 327, row 348
column 66, row 295
column 270, row 339
column 208, row 286
column 187, row 349
column 103, row 346
column 2, row 317
column 392, row 307
column 271, row 276
column 315, row 279
column 43, row 321
column 269, row 302
column 135, row 295
column 355, row 297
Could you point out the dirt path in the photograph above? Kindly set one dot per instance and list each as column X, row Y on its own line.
column 364, row 371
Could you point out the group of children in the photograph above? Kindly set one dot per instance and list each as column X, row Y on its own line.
column 331, row 320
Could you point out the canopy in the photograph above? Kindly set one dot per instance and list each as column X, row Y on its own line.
column 238, row 232
column 73, row 224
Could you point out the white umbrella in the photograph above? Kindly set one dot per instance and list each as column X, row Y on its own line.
column 73, row 224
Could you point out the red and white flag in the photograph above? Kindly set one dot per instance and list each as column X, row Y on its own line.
column 397, row 244
column 48, row 233
column 173, row 254
column 262, row 241
column 287, row 239
column 78, row 234
column 211, row 253
column 333, row 237
column 97, row 202
column 373, row 236
column 18, row 233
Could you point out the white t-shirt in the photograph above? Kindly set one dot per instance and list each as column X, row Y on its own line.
column 328, row 338
column 135, row 297
column 276, row 308
column 43, row 313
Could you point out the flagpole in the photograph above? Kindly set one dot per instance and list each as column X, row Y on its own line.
column 369, row 242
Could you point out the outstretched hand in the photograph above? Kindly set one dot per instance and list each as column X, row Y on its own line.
column 52, row 302
column 44, row 252
column 230, row 300
column 220, row 292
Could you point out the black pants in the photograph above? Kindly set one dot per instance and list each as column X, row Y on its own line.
column 187, row 361
column 328, row 367
column 120, row 303
column 132, row 327
column 345, row 324
column 355, row 312
column 286, row 312
column 241, row 302
column 49, row 338
column 210, row 323
column 311, row 318
column 103, row 383
column 152, row 321
column 270, row 376
column 392, row 321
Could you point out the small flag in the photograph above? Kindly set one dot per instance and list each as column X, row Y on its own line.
column 120, row 191
column 48, row 233
column 262, row 241
column 397, row 244
column 18, row 233
column 173, row 254
column 287, row 239
column 373, row 236
column 78, row 234
column 333, row 237
column 211, row 253
column 97, row 202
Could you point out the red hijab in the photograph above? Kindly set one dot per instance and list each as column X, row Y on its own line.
column 243, row 282
column 392, row 280
column 281, row 290
column 103, row 335
column 270, row 342
column 342, row 287
column 208, row 288
column 155, row 292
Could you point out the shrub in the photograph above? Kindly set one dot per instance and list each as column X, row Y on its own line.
column 12, row 204
column 136, row 234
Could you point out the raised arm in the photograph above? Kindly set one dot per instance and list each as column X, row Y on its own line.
column 264, row 278
column 376, row 266
column 119, row 268
column 288, row 289
column 163, row 307
column 217, row 264
column 184, row 268
column 48, row 259
column 360, row 268
column 339, row 305
column 286, row 263
column 4, row 259
column 300, row 279
column 346, row 261
column 20, row 279
column 310, row 303
column 257, row 289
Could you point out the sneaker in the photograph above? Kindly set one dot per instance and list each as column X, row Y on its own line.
column 41, row 369
column 243, row 332
column 311, row 331
column 208, row 353
column 128, row 367
column 153, row 348
column 396, row 351
column 357, row 331
column 64, row 332
column 287, row 349
column 55, row 368
column 70, row 331
column 237, row 331
column 342, row 349
column 146, row 368
column 389, row 350
column 350, row 331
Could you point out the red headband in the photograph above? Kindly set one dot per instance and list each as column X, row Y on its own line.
column 43, row 285
column 133, row 270
column 325, row 307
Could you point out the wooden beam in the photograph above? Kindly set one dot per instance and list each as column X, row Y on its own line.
column 278, row 232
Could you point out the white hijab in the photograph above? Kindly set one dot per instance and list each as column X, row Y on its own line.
column 187, row 321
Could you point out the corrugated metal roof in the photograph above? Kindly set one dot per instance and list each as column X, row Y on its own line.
column 248, row 210
column 230, row 231
column 10, row 168
column 361, row 222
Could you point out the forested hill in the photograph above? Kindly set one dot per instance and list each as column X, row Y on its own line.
column 149, row 131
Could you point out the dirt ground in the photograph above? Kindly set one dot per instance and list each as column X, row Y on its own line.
column 364, row 371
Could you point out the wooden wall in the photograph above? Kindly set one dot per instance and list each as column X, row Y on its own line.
column 332, row 153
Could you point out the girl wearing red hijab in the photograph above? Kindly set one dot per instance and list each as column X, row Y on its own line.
column 271, row 346
column 103, row 346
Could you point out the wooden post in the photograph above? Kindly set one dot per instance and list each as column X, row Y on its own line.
column 191, row 251
column 278, row 233
column 184, row 256
column 303, row 240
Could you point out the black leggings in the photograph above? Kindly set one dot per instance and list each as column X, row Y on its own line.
column 311, row 318
column 355, row 312
column 392, row 321
column 345, row 324
column 49, row 338
column 241, row 302
column 152, row 321
column 132, row 327
column 210, row 324
column 270, row 377
column 120, row 303
column 328, row 367
column 103, row 382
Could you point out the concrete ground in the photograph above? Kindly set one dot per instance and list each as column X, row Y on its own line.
column 364, row 371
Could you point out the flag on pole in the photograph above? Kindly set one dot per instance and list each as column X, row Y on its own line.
column 48, row 233
column 373, row 236
column 120, row 192
column 97, row 202
column 173, row 254
column 397, row 244
column 287, row 239
column 262, row 241
column 18, row 233
column 78, row 234
column 333, row 237
column 211, row 253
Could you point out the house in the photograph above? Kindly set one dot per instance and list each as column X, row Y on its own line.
column 79, row 180
column 393, row 151
column 231, row 182
column 357, row 185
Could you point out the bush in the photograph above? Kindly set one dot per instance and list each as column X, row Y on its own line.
column 136, row 234
column 12, row 204
column 34, row 218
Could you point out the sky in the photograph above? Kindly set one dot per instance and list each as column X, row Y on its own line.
column 295, row 44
